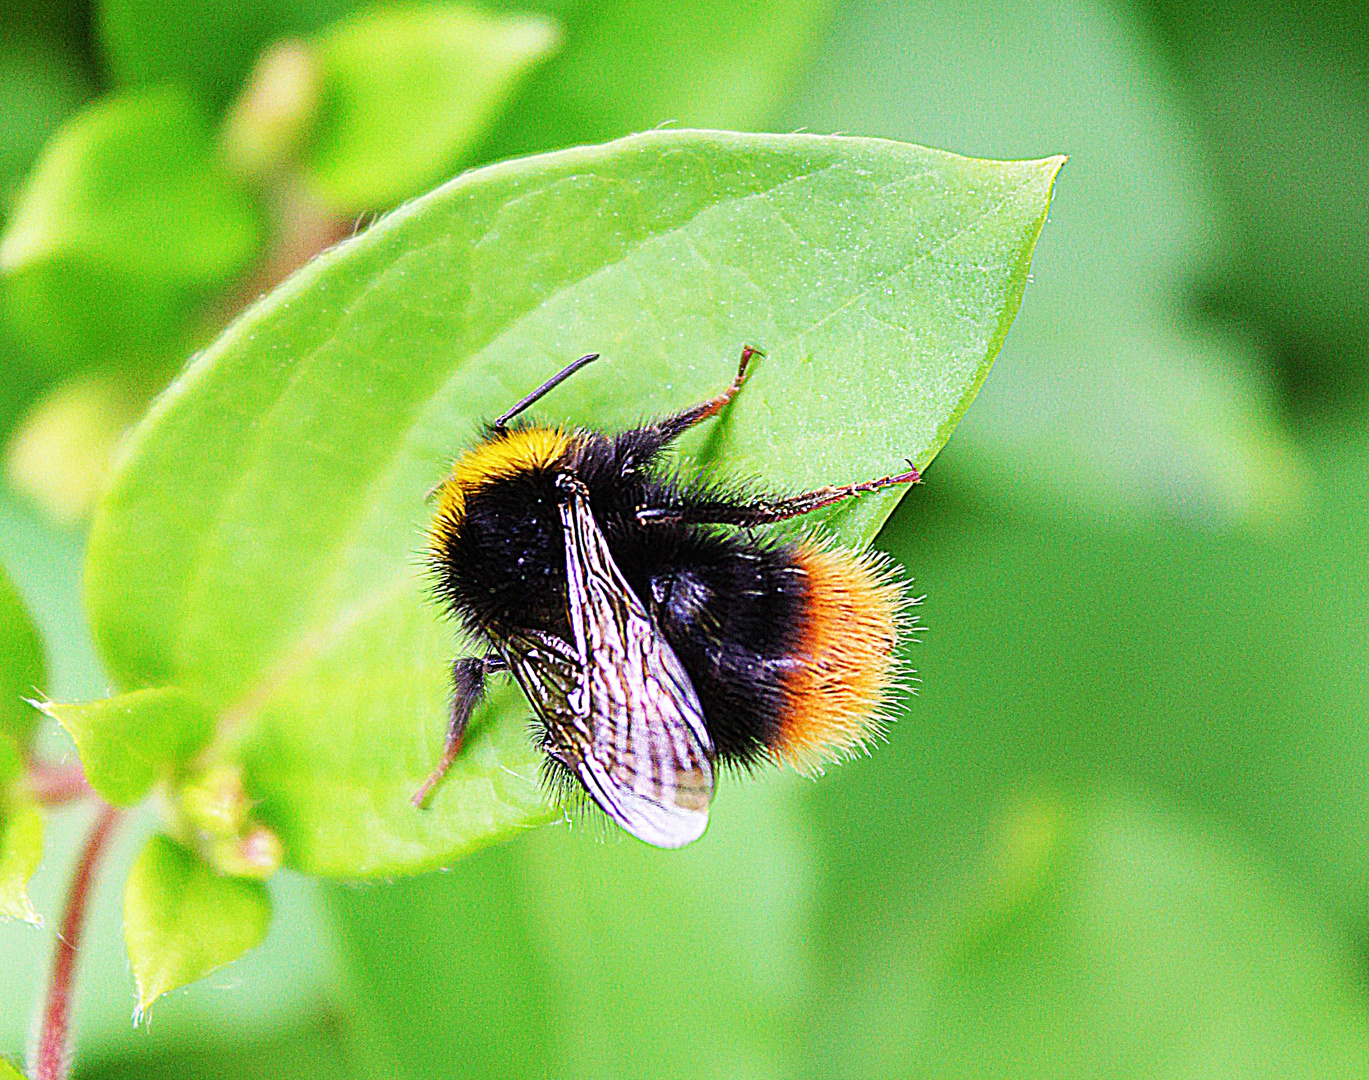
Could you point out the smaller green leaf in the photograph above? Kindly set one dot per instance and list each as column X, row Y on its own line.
column 182, row 920
column 407, row 90
column 9, row 1072
column 126, row 222
column 130, row 741
column 21, row 665
column 21, row 850
column 21, row 836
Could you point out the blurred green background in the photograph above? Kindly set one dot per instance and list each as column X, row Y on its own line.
column 1122, row 830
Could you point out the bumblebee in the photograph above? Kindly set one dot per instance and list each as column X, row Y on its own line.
column 655, row 635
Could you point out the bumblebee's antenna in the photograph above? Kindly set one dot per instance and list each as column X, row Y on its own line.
column 546, row 388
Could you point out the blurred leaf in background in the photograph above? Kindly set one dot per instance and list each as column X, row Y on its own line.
column 1226, row 673
column 631, row 65
column 207, row 47
column 125, row 224
column 44, row 75
column 1122, row 829
column 38, row 87
column 1280, row 93
column 321, row 1042
column 61, row 452
column 122, row 230
column 564, row 954
column 407, row 92
column 1096, row 938
column 1112, row 401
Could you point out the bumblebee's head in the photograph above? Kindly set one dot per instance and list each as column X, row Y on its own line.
column 504, row 453
column 495, row 549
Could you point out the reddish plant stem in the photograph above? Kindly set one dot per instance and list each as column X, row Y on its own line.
column 57, row 785
column 53, row 1057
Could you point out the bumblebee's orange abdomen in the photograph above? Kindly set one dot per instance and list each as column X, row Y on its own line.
column 846, row 664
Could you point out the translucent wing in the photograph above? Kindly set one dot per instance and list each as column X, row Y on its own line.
column 619, row 708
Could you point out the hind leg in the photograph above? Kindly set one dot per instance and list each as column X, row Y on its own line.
column 765, row 511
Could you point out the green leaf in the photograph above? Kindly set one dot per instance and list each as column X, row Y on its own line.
column 129, row 742
column 1097, row 938
column 259, row 546
column 21, row 836
column 21, row 850
column 407, row 91
column 39, row 85
column 208, row 46
column 21, row 665
column 124, row 226
column 182, row 920
column 633, row 65
column 9, row 1072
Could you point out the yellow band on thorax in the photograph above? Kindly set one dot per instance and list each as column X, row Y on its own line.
column 526, row 448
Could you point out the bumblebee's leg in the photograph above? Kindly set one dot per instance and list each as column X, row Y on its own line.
column 765, row 511
column 468, row 687
column 672, row 427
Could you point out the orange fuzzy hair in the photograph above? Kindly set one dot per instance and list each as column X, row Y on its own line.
column 852, row 622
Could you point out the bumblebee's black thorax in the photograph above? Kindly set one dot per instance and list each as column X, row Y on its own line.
column 731, row 607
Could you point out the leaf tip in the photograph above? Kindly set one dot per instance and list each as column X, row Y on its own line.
column 21, row 911
column 1047, row 170
column 183, row 919
column 43, row 706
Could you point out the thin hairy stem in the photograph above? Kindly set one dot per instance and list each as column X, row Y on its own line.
column 52, row 1059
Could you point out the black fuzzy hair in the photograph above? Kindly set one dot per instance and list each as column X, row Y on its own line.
column 730, row 605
